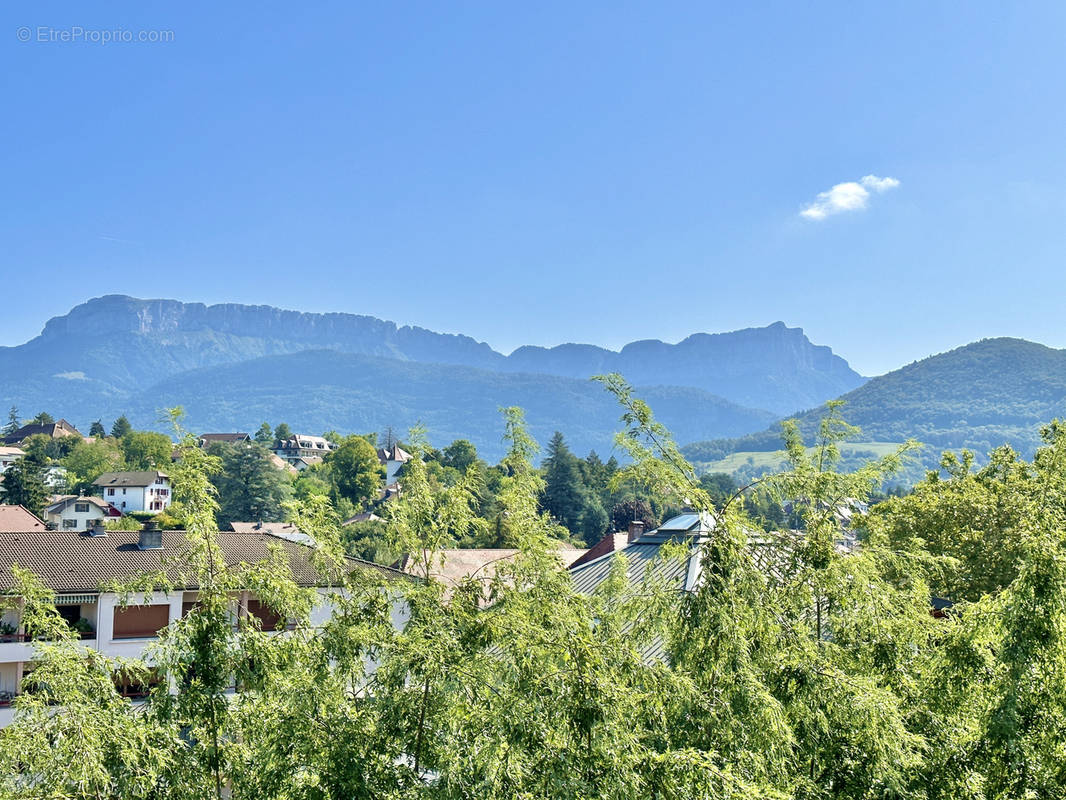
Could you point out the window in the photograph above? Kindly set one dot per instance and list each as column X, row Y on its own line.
column 70, row 523
column 140, row 622
column 81, row 508
column 269, row 619
column 110, row 492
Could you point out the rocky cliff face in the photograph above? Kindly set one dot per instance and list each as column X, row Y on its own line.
column 776, row 367
column 171, row 321
column 114, row 347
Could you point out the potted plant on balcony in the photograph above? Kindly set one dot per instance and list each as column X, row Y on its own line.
column 82, row 627
column 7, row 632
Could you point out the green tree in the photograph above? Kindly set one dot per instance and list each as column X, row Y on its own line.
column 971, row 516
column 88, row 460
column 634, row 510
column 355, row 469
column 97, row 430
column 265, row 435
column 563, row 496
column 283, row 432
column 24, row 484
column 43, row 418
column 121, row 427
column 144, row 450
column 249, row 487
column 12, row 422
column 460, row 455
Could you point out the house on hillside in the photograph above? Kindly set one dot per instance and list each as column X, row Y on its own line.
column 392, row 459
column 135, row 491
column 283, row 530
column 79, row 512
column 207, row 439
column 8, row 456
column 19, row 518
column 75, row 565
column 53, row 430
column 302, row 446
column 451, row 567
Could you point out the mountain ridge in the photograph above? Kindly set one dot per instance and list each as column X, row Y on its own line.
column 977, row 396
column 118, row 354
column 775, row 368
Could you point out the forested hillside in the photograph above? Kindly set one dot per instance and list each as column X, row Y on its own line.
column 980, row 396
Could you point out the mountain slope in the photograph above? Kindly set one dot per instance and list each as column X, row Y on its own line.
column 979, row 396
column 115, row 345
column 323, row 390
column 775, row 367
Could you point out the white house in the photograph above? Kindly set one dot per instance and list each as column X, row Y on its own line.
column 79, row 513
column 75, row 565
column 8, row 456
column 135, row 491
column 302, row 446
column 392, row 459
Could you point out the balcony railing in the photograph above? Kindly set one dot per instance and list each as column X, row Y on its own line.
column 8, row 638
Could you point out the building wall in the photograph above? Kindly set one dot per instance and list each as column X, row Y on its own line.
column 138, row 498
column 102, row 613
column 82, row 520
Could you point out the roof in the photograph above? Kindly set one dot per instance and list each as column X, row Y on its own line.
column 146, row 478
column 303, row 441
column 452, row 566
column 281, row 463
column 230, row 438
column 284, row 530
column 644, row 561
column 641, row 553
column 608, row 544
column 52, row 430
column 59, row 502
column 12, row 452
column 394, row 453
column 19, row 518
column 366, row 516
column 69, row 562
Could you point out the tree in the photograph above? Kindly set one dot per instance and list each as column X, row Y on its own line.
column 12, row 422
column 97, row 430
column 283, row 432
column 144, row 450
column 969, row 515
column 24, row 485
column 635, row 510
column 594, row 521
column 355, row 469
column 121, row 427
column 88, row 460
column 563, row 497
column 43, row 418
column 460, row 455
column 264, row 436
column 250, row 488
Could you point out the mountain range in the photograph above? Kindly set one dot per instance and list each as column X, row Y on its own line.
column 979, row 396
column 233, row 366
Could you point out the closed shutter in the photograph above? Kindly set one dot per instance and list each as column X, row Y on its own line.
column 140, row 622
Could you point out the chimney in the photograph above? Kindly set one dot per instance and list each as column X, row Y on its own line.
column 636, row 530
column 151, row 537
column 97, row 529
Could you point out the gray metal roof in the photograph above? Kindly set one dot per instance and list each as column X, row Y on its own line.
column 641, row 561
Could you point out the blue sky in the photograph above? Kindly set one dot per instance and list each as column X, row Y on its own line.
column 548, row 172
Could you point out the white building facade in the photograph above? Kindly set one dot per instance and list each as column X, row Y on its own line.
column 71, row 563
column 149, row 491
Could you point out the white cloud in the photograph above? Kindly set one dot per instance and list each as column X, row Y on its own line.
column 849, row 196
